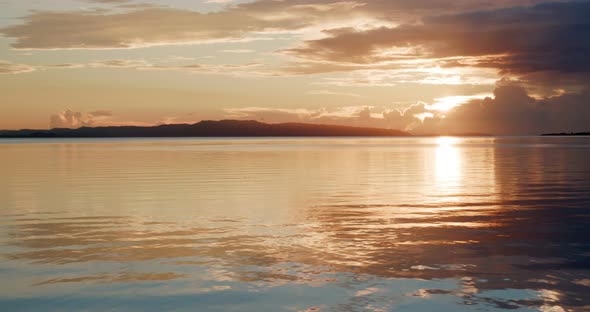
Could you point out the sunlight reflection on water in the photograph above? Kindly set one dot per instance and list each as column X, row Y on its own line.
column 404, row 224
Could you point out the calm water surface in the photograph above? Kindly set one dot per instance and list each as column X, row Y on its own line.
column 403, row 224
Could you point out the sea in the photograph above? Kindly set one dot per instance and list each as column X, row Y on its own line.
column 295, row 224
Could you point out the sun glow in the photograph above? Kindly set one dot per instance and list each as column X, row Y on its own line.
column 447, row 103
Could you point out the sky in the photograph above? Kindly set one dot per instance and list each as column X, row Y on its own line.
column 424, row 66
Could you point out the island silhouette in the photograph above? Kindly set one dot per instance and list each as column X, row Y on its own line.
column 567, row 134
column 208, row 128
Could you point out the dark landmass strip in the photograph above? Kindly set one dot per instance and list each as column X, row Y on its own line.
column 223, row 128
column 460, row 134
column 566, row 134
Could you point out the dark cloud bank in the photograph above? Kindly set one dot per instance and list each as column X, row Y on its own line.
column 513, row 111
column 547, row 43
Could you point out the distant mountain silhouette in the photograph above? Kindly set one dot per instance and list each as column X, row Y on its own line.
column 223, row 128
column 567, row 134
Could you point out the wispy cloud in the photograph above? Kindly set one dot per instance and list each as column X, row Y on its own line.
column 246, row 69
column 12, row 68
column 335, row 93
column 238, row 51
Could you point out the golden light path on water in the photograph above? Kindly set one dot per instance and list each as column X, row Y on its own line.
column 350, row 224
column 448, row 164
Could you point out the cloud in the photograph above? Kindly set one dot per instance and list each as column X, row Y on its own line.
column 91, row 30
column 99, row 118
column 118, row 63
column 136, row 28
column 188, row 118
column 110, row 1
column 421, row 74
column 101, row 113
column 505, row 33
column 107, row 29
column 549, row 38
column 12, row 68
column 335, row 93
column 247, row 69
column 510, row 110
column 350, row 115
column 238, row 51
column 543, row 44
column 219, row 1
column 359, row 116
column 72, row 119
column 367, row 43
column 513, row 111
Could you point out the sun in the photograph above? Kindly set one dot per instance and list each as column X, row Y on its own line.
column 448, row 103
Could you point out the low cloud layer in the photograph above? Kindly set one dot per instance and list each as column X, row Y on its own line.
column 509, row 111
column 72, row 119
column 104, row 118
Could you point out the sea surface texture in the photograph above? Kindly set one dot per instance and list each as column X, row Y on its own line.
column 322, row 224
